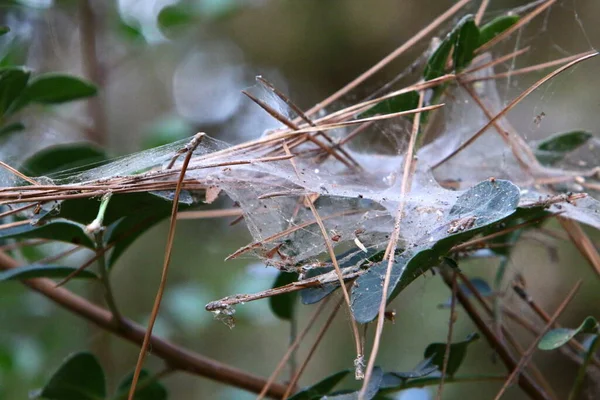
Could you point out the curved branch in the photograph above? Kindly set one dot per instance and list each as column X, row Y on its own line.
column 175, row 356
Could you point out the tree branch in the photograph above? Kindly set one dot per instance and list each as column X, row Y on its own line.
column 175, row 356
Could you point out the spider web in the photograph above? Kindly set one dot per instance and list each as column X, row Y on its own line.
column 358, row 205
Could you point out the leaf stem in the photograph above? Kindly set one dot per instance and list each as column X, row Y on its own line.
column 105, row 279
column 96, row 229
column 577, row 386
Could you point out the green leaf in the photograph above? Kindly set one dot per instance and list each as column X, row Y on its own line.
column 80, row 377
column 55, row 88
column 130, row 30
column 283, row 305
column 43, row 271
column 484, row 204
column 11, row 128
column 58, row 229
column 496, row 27
column 14, row 54
column 464, row 38
column 458, row 351
column 372, row 389
column 4, row 30
column 147, row 388
column 63, row 157
column 13, row 81
column 174, row 16
column 167, row 130
column 351, row 258
column 320, row 388
column 436, row 64
column 466, row 41
column 565, row 142
column 402, row 102
column 424, row 368
column 593, row 346
column 556, row 338
column 315, row 294
column 6, row 358
column 557, row 146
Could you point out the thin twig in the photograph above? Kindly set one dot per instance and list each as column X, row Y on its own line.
column 292, row 348
column 284, row 120
column 163, row 280
column 544, row 316
column 511, row 106
column 17, row 173
column 481, row 11
column 449, row 338
column 527, row 355
column 338, row 271
column 505, row 333
column 204, row 214
column 391, row 248
column 317, row 281
column 390, row 57
column 312, row 350
column 526, row 383
column 520, row 23
column 493, row 63
column 582, row 241
column 526, row 70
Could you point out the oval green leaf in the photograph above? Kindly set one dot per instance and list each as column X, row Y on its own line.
column 80, row 377
column 482, row 205
column 11, row 128
column 495, row 27
column 174, row 16
column 13, row 81
column 283, row 305
column 402, row 102
column 558, row 337
column 458, row 351
column 63, row 157
column 557, row 146
column 147, row 388
column 320, row 388
column 466, row 41
column 55, row 89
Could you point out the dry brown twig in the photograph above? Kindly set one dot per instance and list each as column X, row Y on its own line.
column 312, row 350
column 195, row 142
column 449, row 338
column 391, row 249
column 292, row 348
column 528, row 385
column 527, row 355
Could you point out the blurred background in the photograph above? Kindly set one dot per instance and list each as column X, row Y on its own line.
column 169, row 69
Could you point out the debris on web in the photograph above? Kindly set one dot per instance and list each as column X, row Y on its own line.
column 226, row 316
